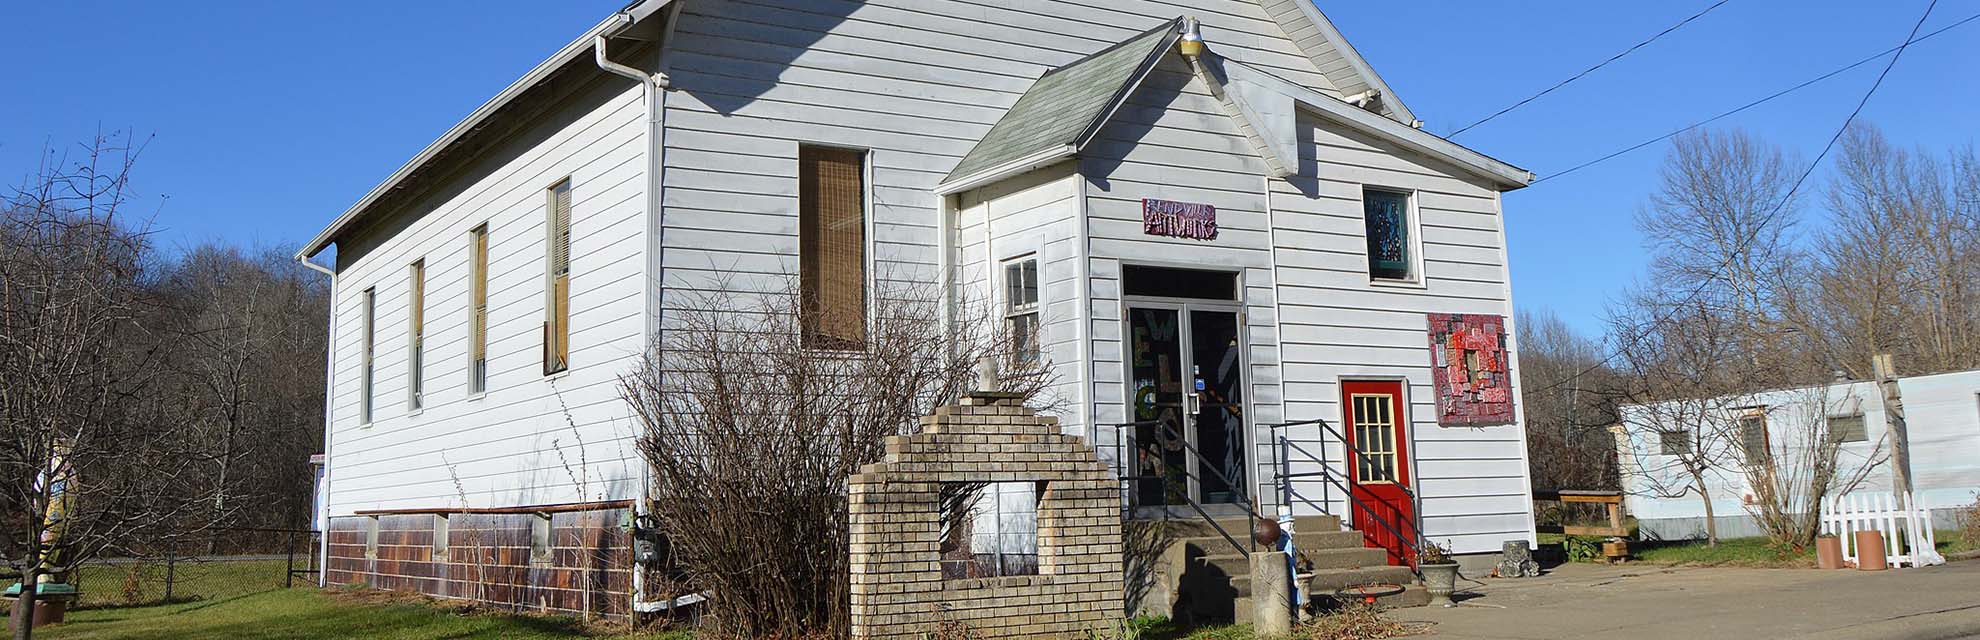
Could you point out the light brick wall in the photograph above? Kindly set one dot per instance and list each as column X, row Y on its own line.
column 897, row 586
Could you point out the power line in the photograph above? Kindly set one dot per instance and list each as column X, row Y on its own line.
column 1589, row 70
column 1755, row 103
column 1741, row 247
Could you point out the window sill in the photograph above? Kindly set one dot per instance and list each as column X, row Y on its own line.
column 1398, row 284
column 557, row 375
column 471, row 397
column 414, row 413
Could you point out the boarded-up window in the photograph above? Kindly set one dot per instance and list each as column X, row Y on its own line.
column 1674, row 443
column 368, row 353
column 416, row 335
column 557, row 308
column 1386, row 216
column 478, row 309
column 1848, row 429
column 1753, row 438
column 832, row 246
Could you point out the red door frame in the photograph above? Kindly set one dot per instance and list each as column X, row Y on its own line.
column 1379, row 497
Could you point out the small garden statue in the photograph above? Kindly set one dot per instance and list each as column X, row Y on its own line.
column 1516, row 561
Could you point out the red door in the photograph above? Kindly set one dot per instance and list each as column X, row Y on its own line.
column 1378, row 475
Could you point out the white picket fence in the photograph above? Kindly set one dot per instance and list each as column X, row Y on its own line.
column 1907, row 527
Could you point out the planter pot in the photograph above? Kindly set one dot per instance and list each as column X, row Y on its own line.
column 1870, row 551
column 1828, row 552
column 1440, row 580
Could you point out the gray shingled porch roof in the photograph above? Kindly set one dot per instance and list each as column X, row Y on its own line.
column 1067, row 105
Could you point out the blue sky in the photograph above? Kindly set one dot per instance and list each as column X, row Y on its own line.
column 271, row 118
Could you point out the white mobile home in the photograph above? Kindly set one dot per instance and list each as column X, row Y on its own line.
column 1219, row 219
column 1942, row 418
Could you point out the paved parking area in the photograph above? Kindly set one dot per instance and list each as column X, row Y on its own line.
column 1640, row 601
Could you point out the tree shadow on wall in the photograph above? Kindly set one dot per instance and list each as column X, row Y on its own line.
column 757, row 44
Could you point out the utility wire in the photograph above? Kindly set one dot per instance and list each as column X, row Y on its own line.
column 1589, row 70
column 1741, row 246
column 1755, row 103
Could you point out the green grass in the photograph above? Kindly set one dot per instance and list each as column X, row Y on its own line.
column 307, row 613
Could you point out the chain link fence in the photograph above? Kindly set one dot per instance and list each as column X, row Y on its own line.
column 283, row 558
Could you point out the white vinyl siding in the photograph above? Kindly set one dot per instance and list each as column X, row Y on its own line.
column 503, row 438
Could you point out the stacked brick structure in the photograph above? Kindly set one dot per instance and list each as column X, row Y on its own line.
column 897, row 586
column 492, row 556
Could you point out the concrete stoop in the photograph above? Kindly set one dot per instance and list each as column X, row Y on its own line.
column 1199, row 577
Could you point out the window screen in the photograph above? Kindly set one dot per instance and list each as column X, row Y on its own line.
column 1753, row 438
column 1386, row 215
column 1674, row 443
column 557, row 311
column 1848, row 429
column 832, row 246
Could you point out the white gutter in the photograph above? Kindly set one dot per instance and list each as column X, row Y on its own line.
column 329, row 392
column 638, row 10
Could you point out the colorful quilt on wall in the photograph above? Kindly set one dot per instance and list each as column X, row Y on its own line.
column 1472, row 372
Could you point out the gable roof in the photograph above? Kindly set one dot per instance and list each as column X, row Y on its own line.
column 1323, row 44
column 1063, row 110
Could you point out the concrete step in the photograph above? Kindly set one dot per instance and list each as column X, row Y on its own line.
column 1317, row 523
column 1325, row 582
column 1334, row 539
column 1323, row 559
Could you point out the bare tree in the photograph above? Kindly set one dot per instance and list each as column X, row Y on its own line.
column 81, row 467
column 751, row 430
column 243, row 329
column 1563, row 386
column 1791, row 459
column 1898, row 270
column 1677, row 425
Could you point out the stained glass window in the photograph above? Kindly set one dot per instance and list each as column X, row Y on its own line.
column 1386, row 214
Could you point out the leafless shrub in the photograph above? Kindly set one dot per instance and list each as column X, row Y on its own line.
column 1798, row 464
column 751, row 431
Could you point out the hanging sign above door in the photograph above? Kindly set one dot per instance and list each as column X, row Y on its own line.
column 1192, row 220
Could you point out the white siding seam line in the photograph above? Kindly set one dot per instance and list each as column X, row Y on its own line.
column 1512, row 352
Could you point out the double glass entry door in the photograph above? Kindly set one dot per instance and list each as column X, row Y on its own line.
column 1186, row 392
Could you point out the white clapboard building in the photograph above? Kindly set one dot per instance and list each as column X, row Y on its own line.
column 1219, row 218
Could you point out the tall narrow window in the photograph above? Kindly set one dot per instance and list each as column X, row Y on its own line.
column 1021, row 307
column 478, row 309
column 832, row 246
column 416, row 335
column 1386, row 215
column 557, row 309
column 370, row 342
column 1753, row 438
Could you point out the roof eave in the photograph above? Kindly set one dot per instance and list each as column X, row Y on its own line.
column 1505, row 176
column 634, row 12
column 1039, row 159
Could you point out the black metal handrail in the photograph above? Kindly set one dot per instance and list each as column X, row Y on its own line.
column 1355, row 457
column 1122, row 446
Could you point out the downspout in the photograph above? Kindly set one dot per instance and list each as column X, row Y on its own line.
column 329, row 392
column 651, row 94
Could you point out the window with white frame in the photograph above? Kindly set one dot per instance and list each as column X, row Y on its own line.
column 416, row 335
column 1021, row 307
column 1391, row 249
column 370, row 337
